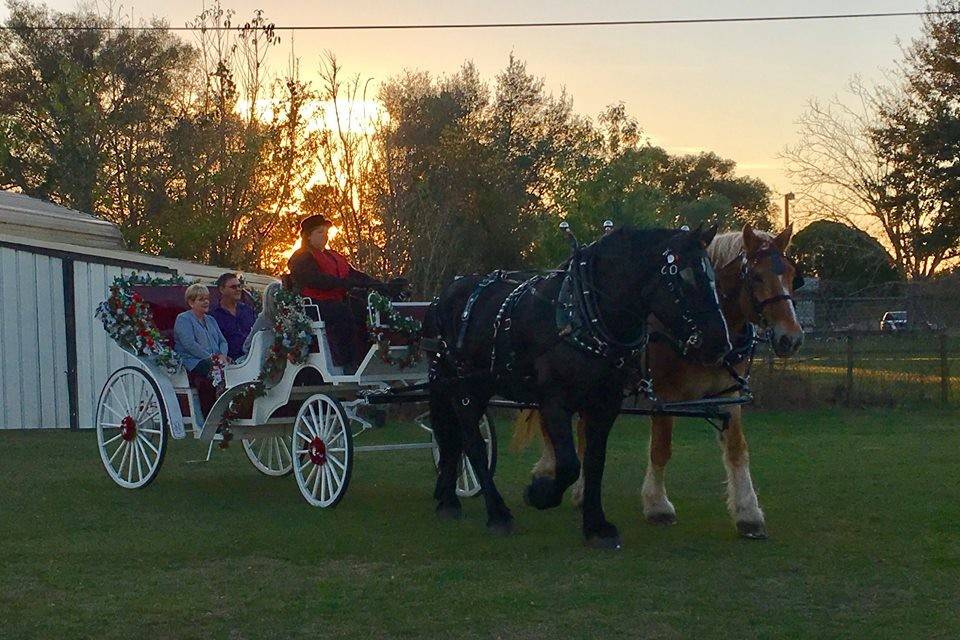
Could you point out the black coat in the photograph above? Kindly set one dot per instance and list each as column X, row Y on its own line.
column 305, row 272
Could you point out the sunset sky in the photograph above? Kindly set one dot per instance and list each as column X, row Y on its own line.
column 731, row 88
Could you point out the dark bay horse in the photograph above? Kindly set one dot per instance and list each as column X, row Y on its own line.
column 566, row 341
column 755, row 282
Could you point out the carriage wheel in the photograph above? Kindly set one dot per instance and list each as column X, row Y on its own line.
column 270, row 455
column 468, row 485
column 322, row 451
column 131, row 428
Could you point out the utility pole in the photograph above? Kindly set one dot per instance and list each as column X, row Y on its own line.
column 787, row 197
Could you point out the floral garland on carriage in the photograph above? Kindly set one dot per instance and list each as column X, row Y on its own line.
column 408, row 328
column 128, row 320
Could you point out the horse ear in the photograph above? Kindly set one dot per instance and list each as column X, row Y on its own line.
column 706, row 237
column 751, row 241
column 782, row 241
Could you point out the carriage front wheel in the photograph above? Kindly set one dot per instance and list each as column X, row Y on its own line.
column 270, row 455
column 322, row 450
column 468, row 485
column 131, row 428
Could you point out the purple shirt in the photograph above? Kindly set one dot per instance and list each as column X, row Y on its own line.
column 235, row 327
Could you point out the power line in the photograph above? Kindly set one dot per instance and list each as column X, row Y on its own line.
column 498, row 25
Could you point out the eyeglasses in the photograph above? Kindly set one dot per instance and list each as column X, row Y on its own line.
column 234, row 286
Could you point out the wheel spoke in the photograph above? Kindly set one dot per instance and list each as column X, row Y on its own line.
column 332, row 481
column 106, row 405
column 313, row 417
column 119, row 435
column 263, row 444
column 149, row 444
column 316, row 481
column 125, row 398
column 116, row 451
column 269, row 457
column 309, row 477
column 123, row 458
column 335, row 461
column 153, row 431
column 136, row 454
column 155, row 411
column 109, row 425
column 300, row 433
column 325, row 418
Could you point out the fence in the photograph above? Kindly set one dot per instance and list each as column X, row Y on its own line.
column 860, row 369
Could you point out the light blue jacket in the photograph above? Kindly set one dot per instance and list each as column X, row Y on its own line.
column 195, row 340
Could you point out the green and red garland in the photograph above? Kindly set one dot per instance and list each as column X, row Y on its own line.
column 390, row 320
column 128, row 320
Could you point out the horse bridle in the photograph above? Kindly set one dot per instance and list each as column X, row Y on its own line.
column 671, row 272
column 779, row 268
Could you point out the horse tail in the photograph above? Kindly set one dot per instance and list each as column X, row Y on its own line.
column 525, row 428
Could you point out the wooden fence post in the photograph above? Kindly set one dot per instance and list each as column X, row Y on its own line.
column 849, row 368
column 944, row 370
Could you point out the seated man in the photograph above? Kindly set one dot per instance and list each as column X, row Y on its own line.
column 234, row 317
column 200, row 344
column 324, row 275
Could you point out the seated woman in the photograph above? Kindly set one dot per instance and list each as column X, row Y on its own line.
column 200, row 344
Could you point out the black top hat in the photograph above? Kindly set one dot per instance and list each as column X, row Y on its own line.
column 312, row 222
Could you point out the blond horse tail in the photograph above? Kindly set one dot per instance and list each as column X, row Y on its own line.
column 525, row 428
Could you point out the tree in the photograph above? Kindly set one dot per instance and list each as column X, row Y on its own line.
column 919, row 136
column 83, row 111
column 887, row 159
column 470, row 171
column 241, row 155
column 848, row 258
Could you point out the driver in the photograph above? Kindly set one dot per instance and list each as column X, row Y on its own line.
column 325, row 276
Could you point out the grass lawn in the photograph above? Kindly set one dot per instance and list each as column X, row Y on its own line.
column 863, row 510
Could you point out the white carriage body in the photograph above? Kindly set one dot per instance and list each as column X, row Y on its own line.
column 182, row 403
column 301, row 424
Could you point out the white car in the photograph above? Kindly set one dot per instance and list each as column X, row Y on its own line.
column 894, row 321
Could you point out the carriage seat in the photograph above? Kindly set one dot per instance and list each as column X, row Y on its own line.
column 167, row 302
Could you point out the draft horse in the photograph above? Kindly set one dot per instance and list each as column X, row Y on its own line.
column 566, row 341
column 756, row 282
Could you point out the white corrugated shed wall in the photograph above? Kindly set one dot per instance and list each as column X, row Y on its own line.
column 95, row 359
column 33, row 360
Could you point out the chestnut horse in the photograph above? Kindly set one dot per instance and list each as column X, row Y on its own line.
column 755, row 282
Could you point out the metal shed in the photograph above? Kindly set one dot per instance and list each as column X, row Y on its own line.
column 56, row 266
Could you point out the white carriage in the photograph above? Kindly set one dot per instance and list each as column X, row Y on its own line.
column 304, row 423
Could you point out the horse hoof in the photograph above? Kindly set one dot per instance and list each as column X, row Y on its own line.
column 662, row 519
column 540, row 494
column 752, row 530
column 597, row 542
column 449, row 511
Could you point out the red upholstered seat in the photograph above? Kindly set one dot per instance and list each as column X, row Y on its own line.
column 167, row 302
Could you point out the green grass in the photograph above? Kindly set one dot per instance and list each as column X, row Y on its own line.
column 863, row 509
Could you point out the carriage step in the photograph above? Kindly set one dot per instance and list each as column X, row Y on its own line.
column 395, row 447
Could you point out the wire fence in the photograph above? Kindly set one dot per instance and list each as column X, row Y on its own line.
column 861, row 369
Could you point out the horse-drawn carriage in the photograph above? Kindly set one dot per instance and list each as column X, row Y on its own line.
column 303, row 419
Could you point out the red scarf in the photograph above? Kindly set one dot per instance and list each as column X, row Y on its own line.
column 331, row 263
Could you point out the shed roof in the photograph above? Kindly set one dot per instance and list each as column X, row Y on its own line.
column 48, row 228
column 27, row 217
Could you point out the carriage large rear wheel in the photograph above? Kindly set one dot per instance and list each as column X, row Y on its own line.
column 468, row 485
column 322, row 450
column 270, row 455
column 131, row 428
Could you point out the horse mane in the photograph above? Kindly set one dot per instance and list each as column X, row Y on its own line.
column 728, row 245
